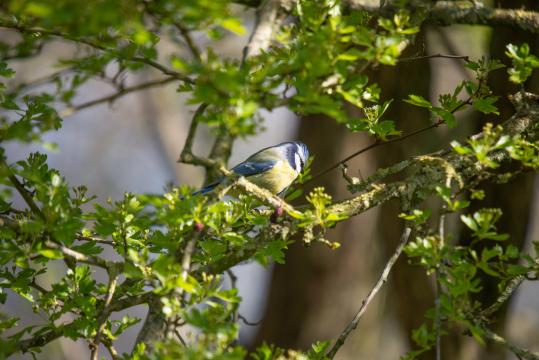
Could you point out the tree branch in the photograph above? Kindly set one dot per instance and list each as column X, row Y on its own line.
column 140, row 59
column 195, row 51
column 511, row 287
column 80, row 257
column 187, row 156
column 445, row 13
column 111, row 98
column 381, row 281
column 57, row 332
column 518, row 351
column 426, row 176
column 113, row 274
column 435, row 56
column 378, row 143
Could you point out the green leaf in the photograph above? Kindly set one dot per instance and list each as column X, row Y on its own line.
column 447, row 116
column 233, row 25
column 5, row 70
column 485, row 105
column 51, row 253
column 418, row 100
column 469, row 222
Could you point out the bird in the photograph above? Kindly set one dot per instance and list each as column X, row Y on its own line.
column 274, row 168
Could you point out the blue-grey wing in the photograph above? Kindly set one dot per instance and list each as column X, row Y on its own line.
column 249, row 168
column 246, row 168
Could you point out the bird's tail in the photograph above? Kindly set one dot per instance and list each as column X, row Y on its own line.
column 207, row 188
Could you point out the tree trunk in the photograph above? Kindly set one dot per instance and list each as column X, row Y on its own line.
column 514, row 197
column 317, row 292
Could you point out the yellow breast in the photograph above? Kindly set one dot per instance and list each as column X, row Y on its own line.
column 277, row 179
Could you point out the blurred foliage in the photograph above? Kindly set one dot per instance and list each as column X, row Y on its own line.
column 175, row 247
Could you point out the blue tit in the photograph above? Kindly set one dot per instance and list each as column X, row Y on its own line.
column 274, row 168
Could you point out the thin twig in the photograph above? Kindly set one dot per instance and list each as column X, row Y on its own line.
column 186, row 257
column 195, row 51
column 21, row 189
column 139, row 59
column 187, row 156
column 383, row 278
column 40, row 81
column 447, row 43
column 80, row 257
column 111, row 98
column 102, row 320
column 193, row 48
column 180, row 337
column 247, row 322
column 378, row 143
column 95, row 239
column 38, row 287
column 435, row 56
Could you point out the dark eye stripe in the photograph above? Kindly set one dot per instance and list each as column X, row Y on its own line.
column 290, row 157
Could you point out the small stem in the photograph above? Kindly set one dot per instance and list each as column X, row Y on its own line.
column 195, row 51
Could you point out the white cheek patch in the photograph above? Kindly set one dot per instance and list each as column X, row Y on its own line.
column 297, row 160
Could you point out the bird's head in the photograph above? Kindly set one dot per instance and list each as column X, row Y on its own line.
column 296, row 154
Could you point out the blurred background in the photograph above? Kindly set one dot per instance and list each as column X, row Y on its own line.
column 133, row 144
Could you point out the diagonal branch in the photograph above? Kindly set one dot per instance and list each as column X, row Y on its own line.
column 59, row 331
column 518, row 351
column 111, row 98
column 510, row 288
column 21, row 189
column 195, row 51
column 381, row 281
column 88, row 42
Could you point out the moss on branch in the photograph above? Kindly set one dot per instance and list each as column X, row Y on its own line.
column 428, row 173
